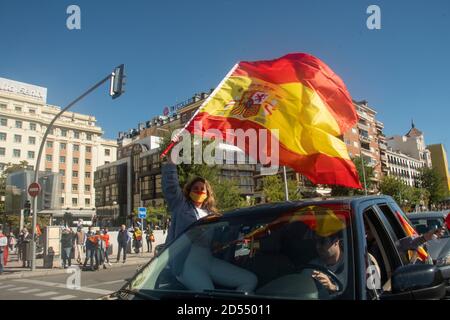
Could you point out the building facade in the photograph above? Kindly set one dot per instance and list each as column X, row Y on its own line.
column 74, row 148
column 404, row 167
column 439, row 161
column 366, row 139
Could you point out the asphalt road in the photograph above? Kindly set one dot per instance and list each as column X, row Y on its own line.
column 92, row 285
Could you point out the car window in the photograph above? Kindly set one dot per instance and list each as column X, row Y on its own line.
column 302, row 253
column 381, row 247
column 422, row 225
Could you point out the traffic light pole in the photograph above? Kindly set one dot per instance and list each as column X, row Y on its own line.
column 38, row 161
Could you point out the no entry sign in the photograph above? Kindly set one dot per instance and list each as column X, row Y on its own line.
column 34, row 189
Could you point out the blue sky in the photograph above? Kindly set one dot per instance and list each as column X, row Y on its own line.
column 172, row 49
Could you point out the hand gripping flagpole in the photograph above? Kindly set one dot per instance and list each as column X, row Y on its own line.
column 175, row 139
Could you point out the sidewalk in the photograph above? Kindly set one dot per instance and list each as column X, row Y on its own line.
column 14, row 269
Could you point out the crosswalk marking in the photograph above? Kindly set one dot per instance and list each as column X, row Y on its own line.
column 17, row 288
column 46, row 294
column 66, row 297
column 30, row 290
column 6, row 286
column 63, row 286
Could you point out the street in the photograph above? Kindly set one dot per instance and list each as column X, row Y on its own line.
column 93, row 285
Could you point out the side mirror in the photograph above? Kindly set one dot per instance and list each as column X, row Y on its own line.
column 417, row 281
column 159, row 248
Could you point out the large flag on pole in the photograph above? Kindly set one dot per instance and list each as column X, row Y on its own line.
column 297, row 94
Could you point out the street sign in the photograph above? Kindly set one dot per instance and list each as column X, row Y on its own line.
column 34, row 189
column 142, row 212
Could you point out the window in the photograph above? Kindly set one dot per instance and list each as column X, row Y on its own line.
column 48, row 170
column 87, row 174
column 64, row 132
column 18, row 124
column 87, row 187
column 48, row 157
column 32, row 126
column 62, row 186
column 2, row 136
column 88, row 136
column 52, row 131
column 76, row 147
column 31, row 140
column 62, row 172
column 88, row 149
column 3, row 122
column 62, row 200
column 32, row 111
column 75, row 160
column 2, row 151
column 74, row 187
column 88, row 162
column 76, row 135
column 16, row 153
column 62, row 146
column 75, row 174
column 365, row 145
column 18, row 109
column 62, row 159
column 106, row 162
column 49, row 144
column 2, row 106
column 74, row 201
column 30, row 154
column 17, row 138
column 87, row 202
column 107, row 152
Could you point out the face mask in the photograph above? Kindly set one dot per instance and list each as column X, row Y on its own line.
column 198, row 197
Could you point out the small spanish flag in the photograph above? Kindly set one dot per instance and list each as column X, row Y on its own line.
column 301, row 97
column 410, row 231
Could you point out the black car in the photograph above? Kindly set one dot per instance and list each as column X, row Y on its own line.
column 312, row 249
column 439, row 249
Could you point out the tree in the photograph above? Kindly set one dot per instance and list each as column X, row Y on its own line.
column 431, row 180
column 369, row 174
column 394, row 187
column 274, row 190
column 227, row 195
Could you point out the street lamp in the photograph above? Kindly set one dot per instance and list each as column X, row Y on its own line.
column 116, row 89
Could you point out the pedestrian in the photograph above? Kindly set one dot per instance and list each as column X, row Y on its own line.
column 149, row 238
column 91, row 250
column 3, row 251
column 80, row 242
column 67, row 241
column 25, row 239
column 12, row 242
column 137, row 239
column 197, row 268
column 105, row 237
column 122, row 240
column 100, row 249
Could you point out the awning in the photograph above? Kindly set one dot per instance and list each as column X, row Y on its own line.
column 75, row 213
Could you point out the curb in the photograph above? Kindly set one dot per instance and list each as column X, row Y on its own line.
column 31, row 274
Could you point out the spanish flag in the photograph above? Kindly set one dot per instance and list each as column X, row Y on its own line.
column 410, row 231
column 297, row 94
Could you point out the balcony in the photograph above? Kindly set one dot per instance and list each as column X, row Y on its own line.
column 383, row 146
column 364, row 138
column 363, row 126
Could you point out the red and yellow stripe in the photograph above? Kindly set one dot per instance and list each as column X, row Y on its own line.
column 305, row 100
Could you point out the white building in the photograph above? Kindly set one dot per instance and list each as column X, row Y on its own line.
column 404, row 167
column 74, row 149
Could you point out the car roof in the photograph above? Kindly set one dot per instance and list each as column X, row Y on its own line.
column 287, row 205
column 427, row 214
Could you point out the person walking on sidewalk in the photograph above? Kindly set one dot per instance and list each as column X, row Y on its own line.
column 105, row 238
column 3, row 251
column 149, row 238
column 100, row 249
column 79, row 243
column 12, row 242
column 122, row 240
column 67, row 241
column 91, row 251
column 25, row 239
column 137, row 238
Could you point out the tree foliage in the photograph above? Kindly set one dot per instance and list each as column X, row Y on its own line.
column 369, row 174
column 274, row 190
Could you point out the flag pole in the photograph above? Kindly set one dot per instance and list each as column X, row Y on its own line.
column 364, row 173
column 286, row 191
column 177, row 136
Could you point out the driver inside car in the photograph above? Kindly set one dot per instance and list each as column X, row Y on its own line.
column 331, row 257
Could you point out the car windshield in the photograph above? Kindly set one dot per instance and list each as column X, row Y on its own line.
column 422, row 225
column 300, row 253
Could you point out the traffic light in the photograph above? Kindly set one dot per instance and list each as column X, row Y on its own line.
column 117, row 82
column 27, row 208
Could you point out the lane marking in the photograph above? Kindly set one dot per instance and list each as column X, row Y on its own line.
column 30, row 291
column 66, row 297
column 45, row 294
column 63, row 286
column 17, row 288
